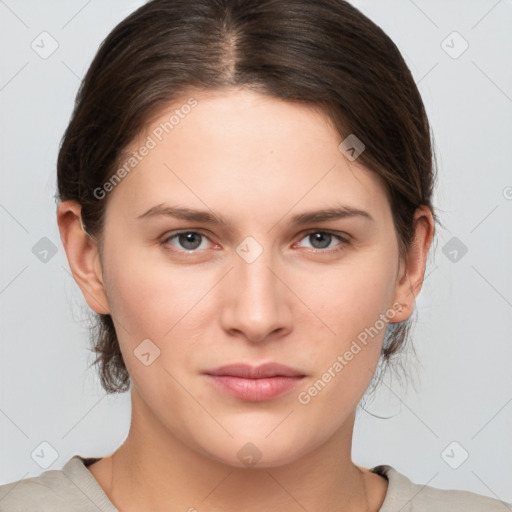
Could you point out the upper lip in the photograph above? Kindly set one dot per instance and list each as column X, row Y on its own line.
column 255, row 372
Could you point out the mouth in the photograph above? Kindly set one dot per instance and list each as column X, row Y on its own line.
column 255, row 383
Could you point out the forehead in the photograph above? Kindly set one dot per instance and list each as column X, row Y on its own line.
column 251, row 119
column 238, row 148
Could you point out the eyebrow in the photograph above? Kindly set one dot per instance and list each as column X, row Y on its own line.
column 208, row 217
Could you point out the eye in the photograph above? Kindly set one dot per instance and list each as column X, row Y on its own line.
column 187, row 240
column 321, row 241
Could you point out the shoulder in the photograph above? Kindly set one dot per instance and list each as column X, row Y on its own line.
column 70, row 489
column 407, row 496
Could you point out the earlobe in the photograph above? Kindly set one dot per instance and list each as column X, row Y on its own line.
column 412, row 268
column 83, row 256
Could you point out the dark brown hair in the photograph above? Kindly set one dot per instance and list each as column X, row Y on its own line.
column 323, row 53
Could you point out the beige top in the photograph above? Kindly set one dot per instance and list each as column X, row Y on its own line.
column 74, row 489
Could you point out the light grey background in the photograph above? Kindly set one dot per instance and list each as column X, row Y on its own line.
column 461, row 385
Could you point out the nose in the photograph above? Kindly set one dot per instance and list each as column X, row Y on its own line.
column 255, row 300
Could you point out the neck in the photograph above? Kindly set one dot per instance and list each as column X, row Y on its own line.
column 154, row 470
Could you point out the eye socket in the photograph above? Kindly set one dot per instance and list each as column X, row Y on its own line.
column 191, row 240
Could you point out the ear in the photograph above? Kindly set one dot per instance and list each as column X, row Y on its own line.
column 83, row 256
column 412, row 268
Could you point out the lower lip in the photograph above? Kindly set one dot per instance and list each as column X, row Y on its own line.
column 256, row 390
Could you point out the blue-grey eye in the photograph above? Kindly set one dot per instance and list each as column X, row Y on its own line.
column 189, row 240
column 321, row 238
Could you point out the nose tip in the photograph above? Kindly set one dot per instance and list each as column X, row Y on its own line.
column 260, row 335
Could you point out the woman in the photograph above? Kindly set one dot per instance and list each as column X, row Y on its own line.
column 245, row 200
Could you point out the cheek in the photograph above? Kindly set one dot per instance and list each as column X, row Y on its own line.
column 167, row 304
column 350, row 297
column 152, row 302
column 150, row 297
column 352, row 302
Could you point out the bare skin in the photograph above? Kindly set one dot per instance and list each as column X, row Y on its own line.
column 103, row 471
column 257, row 162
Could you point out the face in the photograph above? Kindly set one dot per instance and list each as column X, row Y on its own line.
column 256, row 279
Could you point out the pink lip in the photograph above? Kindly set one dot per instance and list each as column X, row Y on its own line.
column 255, row 383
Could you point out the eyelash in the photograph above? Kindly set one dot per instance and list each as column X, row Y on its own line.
column 342, row 245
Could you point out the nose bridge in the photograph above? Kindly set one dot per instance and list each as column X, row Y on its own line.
column 254, row 278
column 255, row 302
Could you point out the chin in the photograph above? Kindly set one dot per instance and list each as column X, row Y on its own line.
column 258, row 452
